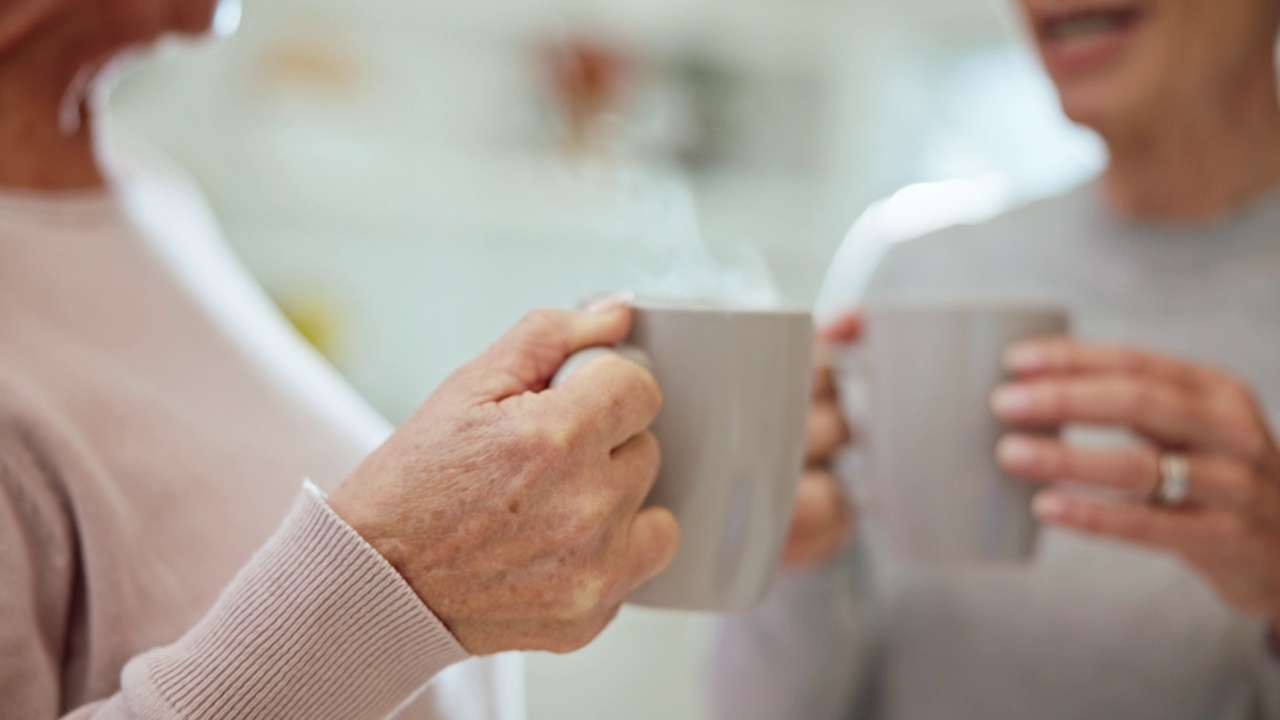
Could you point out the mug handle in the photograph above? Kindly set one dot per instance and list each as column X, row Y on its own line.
column 582, row 357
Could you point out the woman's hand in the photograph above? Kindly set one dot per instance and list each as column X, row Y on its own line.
column 822, row 519
column 512, row 510
column 1229, row 528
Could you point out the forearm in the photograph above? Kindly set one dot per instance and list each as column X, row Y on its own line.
column 316, row 626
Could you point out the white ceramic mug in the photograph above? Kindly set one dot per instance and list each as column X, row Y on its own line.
column 916, row 391
column 736, row 387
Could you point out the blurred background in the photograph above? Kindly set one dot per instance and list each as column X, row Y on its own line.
column 408, row 177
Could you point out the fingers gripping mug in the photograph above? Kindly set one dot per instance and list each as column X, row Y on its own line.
column 732, row 429
column 917, row 391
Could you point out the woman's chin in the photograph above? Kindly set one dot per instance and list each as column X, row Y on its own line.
column 1097, row 108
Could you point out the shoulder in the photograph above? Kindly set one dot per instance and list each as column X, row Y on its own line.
column 966, row 258
column 179, row 225
column 937, row 232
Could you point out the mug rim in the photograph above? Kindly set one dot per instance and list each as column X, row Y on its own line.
column 703, row 307
column 967, row 306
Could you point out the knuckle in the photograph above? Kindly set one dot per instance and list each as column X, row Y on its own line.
column 579, row 601
column 647, row 390
column 583, row 596
column 586, row 523
column 626, row 388
column 517, row 439
column 537, row 450
column 650, row 450
column 557, row 436
column 638, row 390
column 545, row 439
column 540, row 321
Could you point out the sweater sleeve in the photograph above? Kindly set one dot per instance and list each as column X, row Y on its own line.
column 317, row 625
column 801, row 655
column 1266, row 662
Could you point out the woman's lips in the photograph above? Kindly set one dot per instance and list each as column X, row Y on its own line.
column 1085, row 41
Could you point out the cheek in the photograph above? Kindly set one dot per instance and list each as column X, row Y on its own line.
column 1191, row 51
column 1216, row 42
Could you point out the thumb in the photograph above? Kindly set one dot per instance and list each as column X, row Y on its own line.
column 528, row 356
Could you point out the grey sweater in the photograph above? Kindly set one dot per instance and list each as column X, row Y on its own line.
column 1093, row 629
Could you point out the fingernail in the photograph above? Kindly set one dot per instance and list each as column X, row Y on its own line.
column 1049, row 506
column 1012, row 401
column 1018, row 451
column 1024, row 357
column 609, row 303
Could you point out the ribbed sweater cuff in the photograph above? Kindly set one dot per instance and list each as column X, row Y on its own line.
column 318, row 625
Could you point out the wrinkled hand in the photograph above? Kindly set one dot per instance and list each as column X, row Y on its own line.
column 1229, row 532
column 514, row 511
column 822, row 519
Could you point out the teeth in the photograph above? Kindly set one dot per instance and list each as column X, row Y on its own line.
column 1083, row 25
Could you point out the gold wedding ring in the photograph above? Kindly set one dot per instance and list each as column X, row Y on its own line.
column 1174, row 489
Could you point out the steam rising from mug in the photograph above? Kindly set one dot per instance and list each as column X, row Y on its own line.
column 660, row 218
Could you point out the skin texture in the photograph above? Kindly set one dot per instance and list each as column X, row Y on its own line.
column 1230, row 530
column 514, row 511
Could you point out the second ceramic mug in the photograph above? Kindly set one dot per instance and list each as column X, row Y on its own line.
column 917, row 391
column 736, row 386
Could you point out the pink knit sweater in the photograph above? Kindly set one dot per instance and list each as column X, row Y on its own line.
column 150, row 564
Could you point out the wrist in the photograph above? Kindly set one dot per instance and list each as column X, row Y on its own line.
column 358, row 516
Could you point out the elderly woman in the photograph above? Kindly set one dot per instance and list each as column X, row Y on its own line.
column 157, row 423
column 1170, row 262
